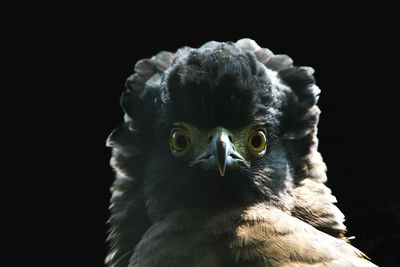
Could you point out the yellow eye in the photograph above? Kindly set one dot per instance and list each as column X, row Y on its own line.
column 257, row 142
column 179, row 142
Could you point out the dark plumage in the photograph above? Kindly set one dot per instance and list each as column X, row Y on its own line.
column 220, row 195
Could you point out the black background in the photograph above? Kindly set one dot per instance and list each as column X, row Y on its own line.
column 84, row 52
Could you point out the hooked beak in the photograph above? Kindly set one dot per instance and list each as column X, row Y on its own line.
column 221, row 147
column 220, row 153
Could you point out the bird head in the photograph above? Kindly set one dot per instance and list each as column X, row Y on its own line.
column 224, row 124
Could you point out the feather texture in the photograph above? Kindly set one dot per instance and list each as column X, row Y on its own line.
column 278, row 212
column 260, row 235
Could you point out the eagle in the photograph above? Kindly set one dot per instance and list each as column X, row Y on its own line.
column 217, row 164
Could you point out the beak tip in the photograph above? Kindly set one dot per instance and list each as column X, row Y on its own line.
column 221, row 171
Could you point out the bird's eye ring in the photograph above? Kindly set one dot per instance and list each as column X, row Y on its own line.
column 257, row 142
column 179, row 141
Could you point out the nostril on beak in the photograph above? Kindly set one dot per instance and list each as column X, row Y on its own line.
column 234, row 156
